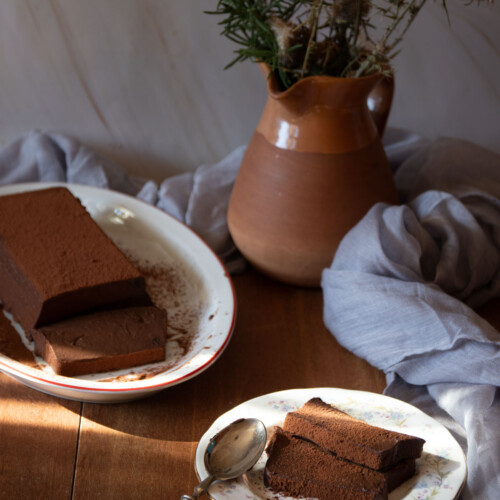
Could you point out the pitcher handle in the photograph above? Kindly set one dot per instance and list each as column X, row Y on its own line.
column 380, row 101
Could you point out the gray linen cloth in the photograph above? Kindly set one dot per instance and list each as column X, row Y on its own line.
column 402, row 287
column 400, row 290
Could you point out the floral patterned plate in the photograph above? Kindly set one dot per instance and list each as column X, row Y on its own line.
column 441, row 471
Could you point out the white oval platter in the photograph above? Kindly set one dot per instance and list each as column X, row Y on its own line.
column 183, row 275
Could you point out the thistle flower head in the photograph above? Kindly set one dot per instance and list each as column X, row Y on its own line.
column 291, row 39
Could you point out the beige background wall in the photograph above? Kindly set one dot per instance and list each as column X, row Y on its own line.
column 142, row 80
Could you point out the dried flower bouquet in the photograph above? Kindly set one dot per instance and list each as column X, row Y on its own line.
column 300, row 38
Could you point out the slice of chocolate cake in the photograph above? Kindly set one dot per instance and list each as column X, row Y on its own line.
column 56, row 262
column 298, row 468
column 400, row 473
column 350, row 438
column 104, row 341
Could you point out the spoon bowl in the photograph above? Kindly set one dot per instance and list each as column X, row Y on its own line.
column 231, row 452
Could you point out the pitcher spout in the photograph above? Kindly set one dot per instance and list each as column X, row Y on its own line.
column 303, row 116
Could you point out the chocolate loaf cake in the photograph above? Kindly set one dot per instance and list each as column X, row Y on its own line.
column 103, row 341
column 56, row 262
column 350, row 438
column 400, row 473
column 298, row 468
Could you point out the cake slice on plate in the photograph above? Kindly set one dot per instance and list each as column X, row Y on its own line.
column 299, row 468
column 104, row 341
column 350, row 438
column 323, row 452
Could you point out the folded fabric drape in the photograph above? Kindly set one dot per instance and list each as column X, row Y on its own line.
column 402, row 287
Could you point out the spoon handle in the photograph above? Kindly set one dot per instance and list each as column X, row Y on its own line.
column 200, row 489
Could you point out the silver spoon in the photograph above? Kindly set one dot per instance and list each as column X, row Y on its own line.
column 231, row 452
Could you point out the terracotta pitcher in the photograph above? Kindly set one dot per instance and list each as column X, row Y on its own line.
column 313, row 167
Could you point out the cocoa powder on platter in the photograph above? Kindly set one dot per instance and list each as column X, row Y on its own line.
column 175, row 289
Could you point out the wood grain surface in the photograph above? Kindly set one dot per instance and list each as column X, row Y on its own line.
column 38, row 443
column 55, row 449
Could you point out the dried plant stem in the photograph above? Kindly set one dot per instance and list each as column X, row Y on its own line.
column 329, row 46
column 359, row 7
column 315, row 11
column 408, row 24
column 399, row 17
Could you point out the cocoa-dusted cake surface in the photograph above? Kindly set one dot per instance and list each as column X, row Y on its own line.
column 104, row 341
column 350, row 438
column 56, row 262
column 298, row 468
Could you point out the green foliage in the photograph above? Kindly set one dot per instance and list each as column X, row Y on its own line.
column 300, row 38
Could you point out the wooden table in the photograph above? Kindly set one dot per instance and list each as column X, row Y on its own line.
column 52, row 449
